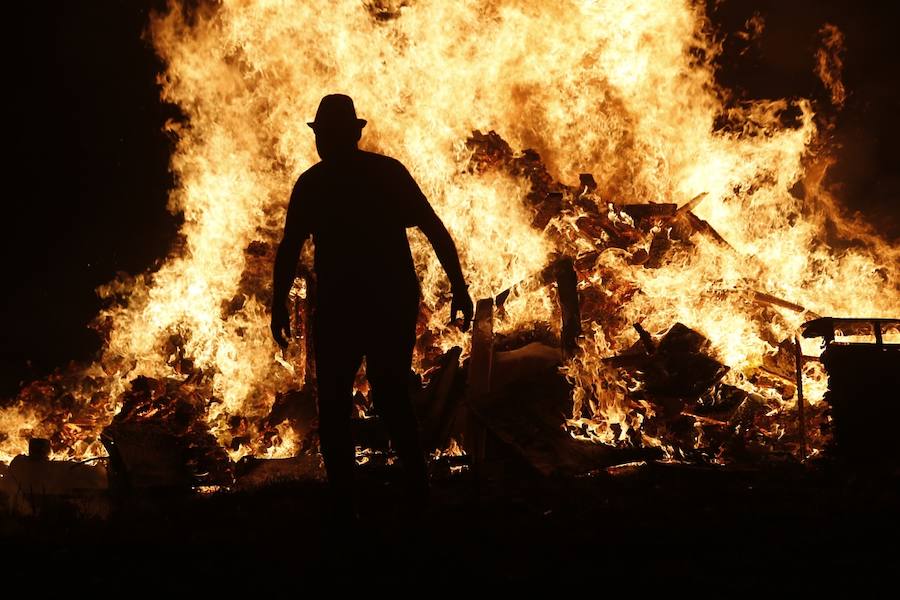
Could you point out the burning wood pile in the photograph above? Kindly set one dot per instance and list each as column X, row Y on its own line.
column 663, row 396
column 669, row 384
column 160, row 439
column 650, row 310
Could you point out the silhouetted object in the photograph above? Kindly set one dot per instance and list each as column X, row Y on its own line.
column 356, row 205
column 863, row 384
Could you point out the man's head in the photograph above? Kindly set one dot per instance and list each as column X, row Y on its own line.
column 336, row 126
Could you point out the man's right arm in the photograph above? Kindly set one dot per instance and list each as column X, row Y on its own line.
column 419, row 213
column 296, row 230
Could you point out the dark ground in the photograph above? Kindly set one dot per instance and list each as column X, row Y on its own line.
column 669, row 527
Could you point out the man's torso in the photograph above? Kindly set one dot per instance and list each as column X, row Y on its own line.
column 358, row 211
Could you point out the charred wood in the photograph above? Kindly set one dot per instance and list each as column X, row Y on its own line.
column 479, row 377
column 646, row 339
column 482, row 354
column 720, row 402
column 160, row 439
column 763, row 298
column 526, row 413
column 570, row 309
column 704, row 228
column 441, row 399
column 801, row 412
column 651, row 209
column 252, row 472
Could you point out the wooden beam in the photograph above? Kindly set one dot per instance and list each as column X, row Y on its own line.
column 763, row 298
column 569, row 306
column 481, row 360
column 442, row 402
column 482, row 355
column 646, row 338
column 798, row 356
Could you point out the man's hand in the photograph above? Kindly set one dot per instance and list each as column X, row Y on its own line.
column 281, row 325
column 462, row 302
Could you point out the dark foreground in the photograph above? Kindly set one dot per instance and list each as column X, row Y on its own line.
column 672, row 527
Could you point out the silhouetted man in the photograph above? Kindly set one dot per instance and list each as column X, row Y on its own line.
column 356, row 205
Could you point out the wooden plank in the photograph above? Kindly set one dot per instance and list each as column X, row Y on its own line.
column 798, row 355
column 650, row 209
column 691, row 204
column 646, row 338
column 533, row 282
column 479, row 377
column 701, row 226
column 482, row 356
column 569, row 306
column 763, row 298
column 442, row 402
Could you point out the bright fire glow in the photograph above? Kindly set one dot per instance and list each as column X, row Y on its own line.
column 623, row 90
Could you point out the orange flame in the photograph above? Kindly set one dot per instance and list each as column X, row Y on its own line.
column 829, row 63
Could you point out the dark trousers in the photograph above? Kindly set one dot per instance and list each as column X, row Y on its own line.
column 343, row 336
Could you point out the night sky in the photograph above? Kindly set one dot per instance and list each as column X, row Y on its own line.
column 89, row 179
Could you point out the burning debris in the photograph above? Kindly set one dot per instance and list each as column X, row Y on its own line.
column 671, row 386
column 160, row 440
column 35, row 485
column 650, row 304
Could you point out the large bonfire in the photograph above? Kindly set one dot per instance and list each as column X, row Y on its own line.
column 497, row 107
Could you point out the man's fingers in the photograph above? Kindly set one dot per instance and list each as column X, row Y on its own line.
column 461, row 313
column 281, row 332
column 467, row 311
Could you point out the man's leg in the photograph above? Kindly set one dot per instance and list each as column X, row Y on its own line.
column 337, row 361
column 388, row 362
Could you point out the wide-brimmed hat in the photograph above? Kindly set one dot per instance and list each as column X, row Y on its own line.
column 336, row 110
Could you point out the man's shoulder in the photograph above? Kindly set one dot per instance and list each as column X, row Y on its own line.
column 308, row 180
column 381, row 160
column 311, row 173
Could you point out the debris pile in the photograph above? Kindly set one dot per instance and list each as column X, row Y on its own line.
column 543, row 390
